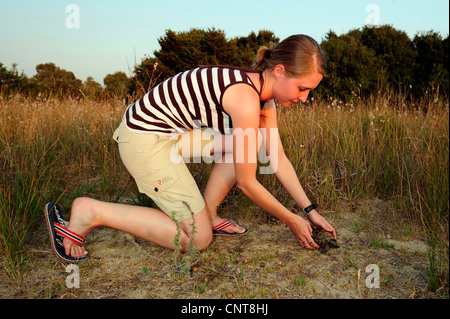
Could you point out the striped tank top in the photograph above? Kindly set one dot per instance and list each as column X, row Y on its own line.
column 188, row 100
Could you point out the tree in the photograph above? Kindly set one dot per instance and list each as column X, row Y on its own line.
column 117, row 84
column 353, row 69
column 373, row 59
column 186, row 50
column 91, row 88
column 360, row 62
column 182, row 51
column 52, row 79
column 11, row 80
column 248, row 46
column 395, row 52
column 431, row 67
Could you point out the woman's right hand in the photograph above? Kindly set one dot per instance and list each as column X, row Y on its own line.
column 303, row 231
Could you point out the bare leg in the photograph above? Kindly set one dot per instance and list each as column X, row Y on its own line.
column 220, row 182
column 147, row 223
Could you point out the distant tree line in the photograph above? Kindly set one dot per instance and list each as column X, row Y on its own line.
column 360, row 62
column 51, row 80
column 367, row 60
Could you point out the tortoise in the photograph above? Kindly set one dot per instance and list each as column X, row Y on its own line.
column 324, row 239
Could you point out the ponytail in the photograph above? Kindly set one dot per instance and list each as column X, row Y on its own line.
column 263, row 57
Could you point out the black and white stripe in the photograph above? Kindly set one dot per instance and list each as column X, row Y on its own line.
column 190, row 99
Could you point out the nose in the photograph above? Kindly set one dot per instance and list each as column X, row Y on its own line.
column 303, row 97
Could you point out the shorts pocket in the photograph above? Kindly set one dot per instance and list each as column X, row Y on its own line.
column 121, row 135
column 157, row 182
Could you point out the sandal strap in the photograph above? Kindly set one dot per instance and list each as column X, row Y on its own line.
column 223, row 225
column 58, row 215
column 63, row 231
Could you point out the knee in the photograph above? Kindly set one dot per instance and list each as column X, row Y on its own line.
column 204, row 241
column 200, row 242
column 202, row 235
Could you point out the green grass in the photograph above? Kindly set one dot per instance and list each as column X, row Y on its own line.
column 53, row 149
column 376, row 243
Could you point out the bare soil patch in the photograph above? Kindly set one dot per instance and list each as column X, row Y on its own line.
column 267, row 263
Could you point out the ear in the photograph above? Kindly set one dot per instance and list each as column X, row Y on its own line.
column 279, row 71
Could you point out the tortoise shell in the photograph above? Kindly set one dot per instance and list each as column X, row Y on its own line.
column 324, row 239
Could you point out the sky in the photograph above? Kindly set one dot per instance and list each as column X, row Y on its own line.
column 100, row 37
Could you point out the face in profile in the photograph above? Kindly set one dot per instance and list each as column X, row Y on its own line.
column 290, row 90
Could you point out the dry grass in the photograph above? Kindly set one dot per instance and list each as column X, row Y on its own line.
column 52, row 149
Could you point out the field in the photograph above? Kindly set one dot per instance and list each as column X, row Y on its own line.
column 378, row 169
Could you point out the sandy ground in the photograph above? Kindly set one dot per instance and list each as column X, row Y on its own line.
column 267, row 263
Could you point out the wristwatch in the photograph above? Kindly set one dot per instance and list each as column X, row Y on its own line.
column 309, row 208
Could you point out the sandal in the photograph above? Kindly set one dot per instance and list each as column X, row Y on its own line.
column 57, row 229
column 218, row 230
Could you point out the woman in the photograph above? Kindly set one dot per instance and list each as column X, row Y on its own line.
column 235, row 104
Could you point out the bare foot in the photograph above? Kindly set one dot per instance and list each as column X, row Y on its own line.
column 80, row 223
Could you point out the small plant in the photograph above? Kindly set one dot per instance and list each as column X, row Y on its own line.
column 145, row 270
column 380, row 244
column 184, row 263
column 176, row 241
column 402, row 231
column 233, row 258
column 263, row 292
column 358, row 227
column 300, row 280
column 241, row 273
column 350, row 262
column 201, row 288
column 386, row 281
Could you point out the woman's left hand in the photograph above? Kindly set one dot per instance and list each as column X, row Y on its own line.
column 317, row 220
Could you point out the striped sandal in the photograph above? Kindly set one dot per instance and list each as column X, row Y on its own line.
column 218, row 230
column 57, row 228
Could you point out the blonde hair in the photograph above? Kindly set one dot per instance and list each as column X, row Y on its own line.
column 299, row 54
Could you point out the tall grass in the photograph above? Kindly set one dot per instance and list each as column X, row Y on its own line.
column 49, row 148
column 382, row 147
column 378, row 149
column 350, row 151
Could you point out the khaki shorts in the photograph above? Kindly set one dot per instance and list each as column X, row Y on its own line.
column 155, row 163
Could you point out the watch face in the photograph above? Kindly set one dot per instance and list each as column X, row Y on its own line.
column 308, row 209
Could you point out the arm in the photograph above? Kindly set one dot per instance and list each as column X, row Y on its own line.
column 288, row 178
column 285, row 172
column 242, row 104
